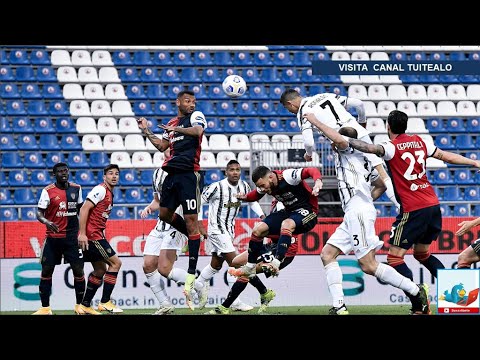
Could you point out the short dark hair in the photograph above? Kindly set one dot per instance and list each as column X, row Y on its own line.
column 259, row 173
column 397, row 121
column 57, row 165
column 183, row 92
column 348, row 131
column 110, row 167
column 232, row 162
column 289, row 95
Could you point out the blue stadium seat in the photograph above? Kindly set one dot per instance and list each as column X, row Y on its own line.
column 155, row 91
column 37, row 107
column 22, row 125
column 474, row 155
column 250, row 75
column 409, row 79
column 289, row 75
column 163, row 108
column 202, row 58
column 46, row 74
column 9, row 91
column 266, row 108
column 70, row 142
column 120, row 213
column 52, row 91
column 464, row 142
column 467, row 79
column 258, row 92
column 472, row 125
column 43, row 125
column 135, row 91
column 30, row 91
column 200, row 91
column 122, row 58
column 118, row 197
column 28, row 214
column 77, row 160
column 5, row 125
column 149, row 74
column 437, row 56
column 15, row 108
column 435, row 125
column 461, row 210
column 8, row 214
column 223, row 58
column 463, row 176
column 242, row 58
column 212, row 176
column 149, row 199
column 3, row 180
column 40, row 178
column 6, row 197
column 27, row 142
column 142, row 57
column 418, row 56
column 142, row 108
column 457, row 56
column 382, row 210
column 3, row 57
column 442, row 177
column 225, row 108
column 129, row 75
column 146, row 178
column 451, row 193
column 58, row 108
column 445, row 210
column 269, row 75
column 173, row 90
column 169, row 75
column 24, row 196
column 253, row 125
column 246, row 108
column 52, row 158
column 428, row 79
column 7, row 142
column 49, row 142
column 448, row 79
column 18, row 178
column 211, row 75
column 65, row 125
column 282, row 58
column 472, row 193
column 233, row 125
column 282, row 111
column 214, row 126
column 135, row 195
column 99, row 160
column 11, row 159
column 476, row 211
column 34, row 160
column 455, row 125
column 190, row 75
column 182, row 58
column 162, row 58
column 321, row 56
column 216, row 92
column 338, row 90
column 444, row 141
column 39, row 57
column 301, row 58
column 25, row 73
column 276, row 91
column 6, row 73
column 129, row 177
column 273, row 125
column 292, row 126
column 85, row 178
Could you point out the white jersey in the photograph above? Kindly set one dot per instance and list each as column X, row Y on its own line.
column 331, row 110
column 223, row 205
column 157, row 181
column 354, row 173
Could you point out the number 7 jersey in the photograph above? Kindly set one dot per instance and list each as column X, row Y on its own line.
column 406, row 157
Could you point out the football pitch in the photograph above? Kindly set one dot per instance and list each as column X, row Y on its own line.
column 287, row 310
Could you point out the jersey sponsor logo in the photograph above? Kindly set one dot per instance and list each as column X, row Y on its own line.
column 415, row 187
column 72, row 204
column 231, row 204
column 74, row 196
column 62, row 206
column 66, row 213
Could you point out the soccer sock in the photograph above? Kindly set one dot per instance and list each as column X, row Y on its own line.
column 157, row 285
column 254, row 247
column 236, row 290
column 284, row 242
column 388, row 274
column 258, row 284
column 92, row 286
column 109, row 281
column 178, row 275
column 334, row 282
column 399, row 265
column 193, row 249
column 429, row 261
column 207, row 274
column 231, row 280
column 79, row 285
column 179, row 223
column 45, row 289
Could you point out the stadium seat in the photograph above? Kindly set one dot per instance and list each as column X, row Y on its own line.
column 472, row 125
column 216, row 92
column 15, row 108
column 51, row 158
column 461, row 210
column 27, row 142
column 113, row 142
column 149, row 74
column 60, row 57
column 40, row 178
column 52, row 91
column 155, row 91
column 24, row 196
column 270, row 75
column 9, row 91
column 5, row 197
column 122, row 108
column 134, row 196
column 129, row 75
column 233, row 125
column 214, row 125
column 219, row 142
column 120, row 213
column 98, row 160
column 246, row 108
column 169, row 75
column 134, row 142
column 7, row 142
column 129, row 177
column 59, row 108
column 115, row 92
column 46, row 74
column 92, row 142
column 81, row 58
column 65, row 125
column 207, row 160
column 39, row 57
column 8, row 213
column 213, row 175
column 146, row 178
column 5, row 125
column 101, row 58
column 243, row 157
column 49, row 142
column 22, row 125
column 87, row 74
column 25, row 73
column 77, row 160
column 451, row 193
column 28, row 214
column 182, row 58
column 464, row 142
column 30, row 91
column 223, row 157
column 435, row 125
column 471, row 194
column 128, row 125
column 202, row 58
column 446, row 108
column 18, row 178
column 122, row 58
column 455, row 125
column 37, row 108
column 394, row 93
column 136, row 91
column 85, row 178
column 158, row 159
column 100, row 108
column 143, row 108
column 273, row 125
column 162, row 58
column 108, row 74
column 93, row 92
column 239, row 142
column 444, row 141
column 121, row 158
column 6, row 74
column 266, row 108
column 70, row 142
column 107, row 125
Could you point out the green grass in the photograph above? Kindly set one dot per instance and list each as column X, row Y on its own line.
column 288, row 310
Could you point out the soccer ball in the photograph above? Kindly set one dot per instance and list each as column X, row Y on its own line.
column 234, row 86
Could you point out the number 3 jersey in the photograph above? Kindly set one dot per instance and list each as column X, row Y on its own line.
column 406, row 157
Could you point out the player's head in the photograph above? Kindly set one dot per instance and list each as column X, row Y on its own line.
column 233, row 172
column 290, row 100
column 186, row 102
column 263, row 178
column 348, row 131
column 111, row 174
column 397, row 122
column 61, row 172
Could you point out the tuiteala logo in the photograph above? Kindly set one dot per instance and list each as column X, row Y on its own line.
column 20, row 280
column 355, row 277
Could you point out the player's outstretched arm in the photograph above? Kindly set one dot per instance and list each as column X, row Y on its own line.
column 329, row 132
column 453, row 158
column 367, row 148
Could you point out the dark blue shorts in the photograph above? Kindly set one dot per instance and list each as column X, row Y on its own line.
column 98, row 250
column 55, row 248
column 182, row 189
column 305, row 220
column 416, row 227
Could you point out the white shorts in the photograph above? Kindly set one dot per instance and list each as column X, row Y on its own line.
column 357, row 231
column 219, row 243
column 164, row 240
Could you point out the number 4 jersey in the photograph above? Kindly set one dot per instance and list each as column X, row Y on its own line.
column 406, row 160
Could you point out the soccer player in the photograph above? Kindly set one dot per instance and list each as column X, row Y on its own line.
column 96, row 249
column 183, row 135
column 162, row 247
column 357, row 231
column 420, row 220
column 472, row 253
column 222, row 211
column 299, row 216
column 57, row 209
column 331, row 109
